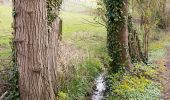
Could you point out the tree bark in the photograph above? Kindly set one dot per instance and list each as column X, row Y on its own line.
column 53, row 51
column 117, row 34
column 31, row 43
column 123, row 38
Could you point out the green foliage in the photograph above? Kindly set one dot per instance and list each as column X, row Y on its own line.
column 115, row 19
column 5, row 20
column 81, row 82
column 135, row 85
column 53, row 8
column 91, row 40
column 139, row 84
column 5, row 31
column 5, row 34
column 62, row 96
column 157, row 48
column 13, row 78
column 13, row 93
column 79, row 26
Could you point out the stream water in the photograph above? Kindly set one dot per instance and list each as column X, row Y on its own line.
column 100, row 83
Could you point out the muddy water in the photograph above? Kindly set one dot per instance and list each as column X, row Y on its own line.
column 100, row 83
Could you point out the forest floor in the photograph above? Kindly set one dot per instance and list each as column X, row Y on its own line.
column 166, row 76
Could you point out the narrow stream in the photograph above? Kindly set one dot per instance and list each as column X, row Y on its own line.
column 100, row 84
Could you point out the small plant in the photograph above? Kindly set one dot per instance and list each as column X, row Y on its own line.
column 62, row 96
column 82, row 81
column 13, row 93
column 134, row 85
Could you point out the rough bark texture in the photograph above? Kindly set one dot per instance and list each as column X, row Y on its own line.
column 146, row 38
column 117, row 34
column 31, row 42
column 53, row 51
column 60, row 22
column 135, row 50
column 123, row 38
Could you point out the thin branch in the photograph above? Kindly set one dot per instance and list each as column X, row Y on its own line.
column 3, row 95
column 94, row 23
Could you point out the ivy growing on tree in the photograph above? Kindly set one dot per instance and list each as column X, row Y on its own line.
column 116, row 24
column 53, row 9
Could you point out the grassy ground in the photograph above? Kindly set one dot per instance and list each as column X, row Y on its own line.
column 78, row 23
column 5, row 31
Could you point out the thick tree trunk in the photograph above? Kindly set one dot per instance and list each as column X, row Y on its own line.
column 123, row 38
column 31, row 43
column 117, row 34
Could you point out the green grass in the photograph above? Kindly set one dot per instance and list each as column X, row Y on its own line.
column 5, row 20
column 84, row 35
column 78, row 24
column 158, row 48
column 82, row 81
column 5, row 31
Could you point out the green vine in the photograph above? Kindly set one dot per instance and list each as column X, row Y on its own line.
column 13, row 92
column 114, row 21
column 13, row 77
column 53, row 9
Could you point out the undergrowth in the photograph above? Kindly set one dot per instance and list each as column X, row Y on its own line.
column 135, row 85
column 143, row 81
column 92, row 41
column 82, row 80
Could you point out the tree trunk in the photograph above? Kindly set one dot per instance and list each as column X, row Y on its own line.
column 123, row 38
column 117, row 34
column 53, row 51
column 55, row 32
column 146, row 38
column 31, row 43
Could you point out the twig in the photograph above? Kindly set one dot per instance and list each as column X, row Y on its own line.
column 94, row 23
column 3, row 95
